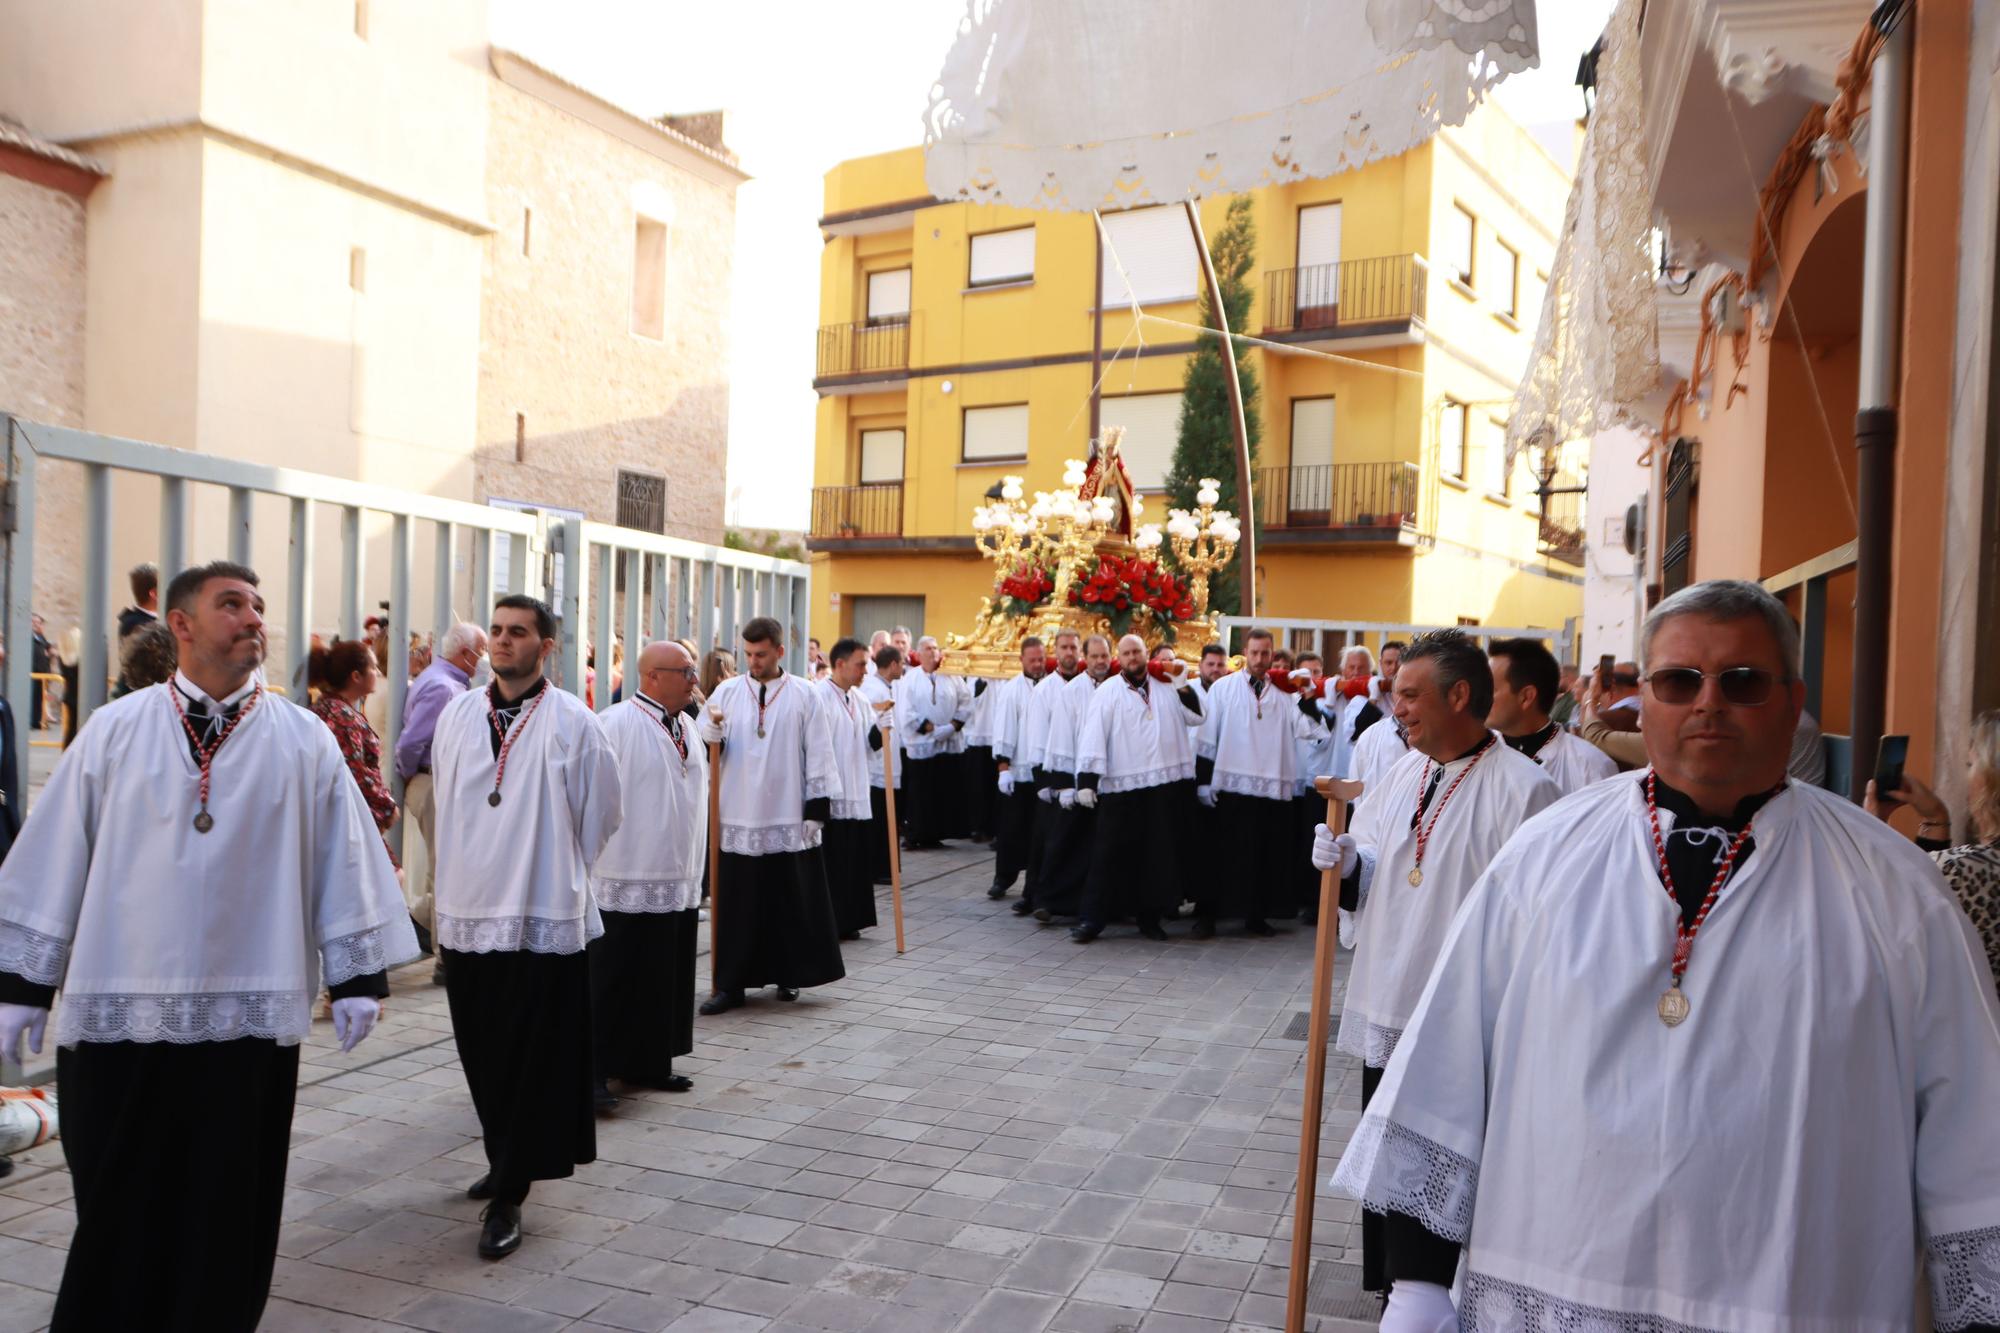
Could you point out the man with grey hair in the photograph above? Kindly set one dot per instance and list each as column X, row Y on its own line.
column 932, row 709
column 876, row 643
column 448, row 676
column 1706, row 1047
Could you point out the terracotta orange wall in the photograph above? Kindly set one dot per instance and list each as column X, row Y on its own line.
column 1808, row 500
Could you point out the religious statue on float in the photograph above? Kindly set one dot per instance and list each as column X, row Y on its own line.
column 1080, row 558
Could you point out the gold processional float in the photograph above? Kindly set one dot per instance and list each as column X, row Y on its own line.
column 1079, row 559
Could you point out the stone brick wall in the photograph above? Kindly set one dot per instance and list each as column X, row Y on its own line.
column 41, row 371
column 556, row 345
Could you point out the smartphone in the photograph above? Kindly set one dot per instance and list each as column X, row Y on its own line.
column 1604, row 668
column 1889, row 764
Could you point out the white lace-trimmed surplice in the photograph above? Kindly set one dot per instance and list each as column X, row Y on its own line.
column 1132, row 741
column 1253, row 740
column 1380, row 749
column 939, row 699
column 1771, row 1164
column 516, row 876
column 1069, row 701
column 1011, row 724
column 1573, row 763
column 1400, row 926
column 155, row 932
column 655, row 861
column 848, row 718
column 979, row 722
column 767, row 780
column 1047, row 704
column 875, row 690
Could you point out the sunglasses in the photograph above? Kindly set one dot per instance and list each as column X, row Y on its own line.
column 1745, row 687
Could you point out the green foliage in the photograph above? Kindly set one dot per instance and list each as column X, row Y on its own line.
column 768, row 543
column 1207, row 443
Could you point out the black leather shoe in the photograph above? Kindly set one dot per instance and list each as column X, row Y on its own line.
column 1152, row 930
column 481, row 1188
column 673, row 1083
column 1259, row 928
column 883, row 881
column 997, row 891
column 849, row 936
column 1044, row 915
column 1204, row 929
column 500, row 1235
column 603, row 1099
column 788, row 993
column 721, row 1002
column 1022, row 907
column 1084, row 934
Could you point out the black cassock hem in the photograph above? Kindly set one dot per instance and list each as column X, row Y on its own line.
column 642, row 979
column 850, row 873
column 772, row 923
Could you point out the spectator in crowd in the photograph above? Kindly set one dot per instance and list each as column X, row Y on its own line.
column 1618, row 697
column 13, row 799
column 448, row 676
column 1972, row 867
column 146, row 657
column 901, row 639
column 1623, row 744
column 67, row 662
column 1564, row 709
column 717, row 667
column 343, row 677
column 145, row 579
column 40, row 661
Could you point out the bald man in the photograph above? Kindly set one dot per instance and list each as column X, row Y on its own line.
column 647, row 882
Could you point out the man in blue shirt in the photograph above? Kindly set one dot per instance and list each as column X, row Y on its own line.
column 447, row 677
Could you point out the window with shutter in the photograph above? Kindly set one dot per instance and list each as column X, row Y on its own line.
column 1003, row 256
column 1457, row 246
column 996, row 434
column 1152, row 423
column 881, row 456
column 1503, row 283
column 1451, row 440
column 1677, row 522
column 889, row 296
column 1312, row 456
column 1149, row 257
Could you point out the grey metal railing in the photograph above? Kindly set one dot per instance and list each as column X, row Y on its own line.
column 1381, row 290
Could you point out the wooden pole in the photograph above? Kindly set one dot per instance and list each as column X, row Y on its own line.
column 714, row 849
column 895, row 840
column 1097, row 335
column 1245, row 504
column 1338, row 794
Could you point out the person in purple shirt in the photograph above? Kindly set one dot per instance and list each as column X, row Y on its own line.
column 447, row 677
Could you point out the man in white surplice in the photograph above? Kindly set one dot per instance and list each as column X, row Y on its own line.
column 200, row 863
column 1014, row 818
column 932, row 710
column 1705, row 1049
column 1419, row 842
column 878, row 690
column 527, row 795
column 1526, row 683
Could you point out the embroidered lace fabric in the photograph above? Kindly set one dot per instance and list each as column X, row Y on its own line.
column 646, row 895
column 1152, row 777
column 280, row 1016
column 352, row 956
column 849, row 809
column 1394, row 1170
column 1371, row 1042
column 31, row 955
column 745, row 841
column 1597, row 346
column 507, row 934
column 1245, row 784
column 1965, row 1279
column 820, row 788
column 1505, row 1307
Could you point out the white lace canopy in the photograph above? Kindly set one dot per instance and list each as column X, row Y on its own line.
column 1107, row 104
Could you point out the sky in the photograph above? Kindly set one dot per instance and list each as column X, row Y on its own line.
column 807, row 84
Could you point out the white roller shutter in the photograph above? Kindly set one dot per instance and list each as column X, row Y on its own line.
column 889, row 295
column 1152, row 423
column 1003, row 256
column 1155, row 250
column 996, row 432
column 881, row 456
column 1318, row 281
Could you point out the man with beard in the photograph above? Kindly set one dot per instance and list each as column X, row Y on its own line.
column 527, row 796
column 1134, row 758
column 648, row 881
column 199, row 864
column 879, row 690
column 1014, row 825
column 1071, row 840
column 932, row 708
column 844, row 842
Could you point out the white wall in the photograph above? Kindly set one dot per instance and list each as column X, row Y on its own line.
column 1611, row 611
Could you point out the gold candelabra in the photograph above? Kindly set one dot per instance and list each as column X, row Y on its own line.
column 1204, row 539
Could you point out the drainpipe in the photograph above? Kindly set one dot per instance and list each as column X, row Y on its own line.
column 1875, row 420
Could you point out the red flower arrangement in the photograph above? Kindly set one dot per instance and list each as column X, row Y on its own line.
column 1023, row 592
column 1123, row 588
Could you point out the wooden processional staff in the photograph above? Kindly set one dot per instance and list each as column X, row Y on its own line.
column 714, row 844
column 889, row 805
column 1338, row 796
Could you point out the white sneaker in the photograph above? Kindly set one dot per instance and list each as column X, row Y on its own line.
column 1346, row 929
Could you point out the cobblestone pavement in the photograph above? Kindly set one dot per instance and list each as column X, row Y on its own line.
column 999, row 1130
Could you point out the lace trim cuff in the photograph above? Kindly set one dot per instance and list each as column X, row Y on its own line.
column 1246, row 784
column 1155, row 777
column 1396, row 1170
column 850, row 810
column 1965, row 1279
column 1371, row 1043
column 771, row 841
column 819, row 789
column 646, row 895
column 353, row 956
column 33, row 956
column 514, row 934
column 1488, row 1303
column 280, row 1016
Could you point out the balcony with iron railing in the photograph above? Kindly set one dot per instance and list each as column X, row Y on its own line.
column 1339, row 503
column 862, row 353
column 1561, row 531
column 847, row 517
column 1354, row 299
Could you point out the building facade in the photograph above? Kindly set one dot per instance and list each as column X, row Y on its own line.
column 1396, row 300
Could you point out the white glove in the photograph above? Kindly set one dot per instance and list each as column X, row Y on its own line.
column 1302, row 674
column 1047, row 794
column 1206, row 795
column 354, row 1019
column 1087, row 797
column 1068, row 798
column 812, row 829
column 16, row 1019
column 1338, row 854
column 709, row 727
column 1419, row 1307
column 1006, row 782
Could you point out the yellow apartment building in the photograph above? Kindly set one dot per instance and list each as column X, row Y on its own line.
column 1397, row 304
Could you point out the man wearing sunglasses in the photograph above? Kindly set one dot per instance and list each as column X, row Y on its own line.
column 1707, row 1048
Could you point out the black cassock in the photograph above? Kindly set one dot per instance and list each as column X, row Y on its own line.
column 1256, row 877
column 1069, row 838
column 642, row 983
column 846, row 847
column 1014, row 828
column 1137, row 860
column 933, row 789
column 773, row 922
